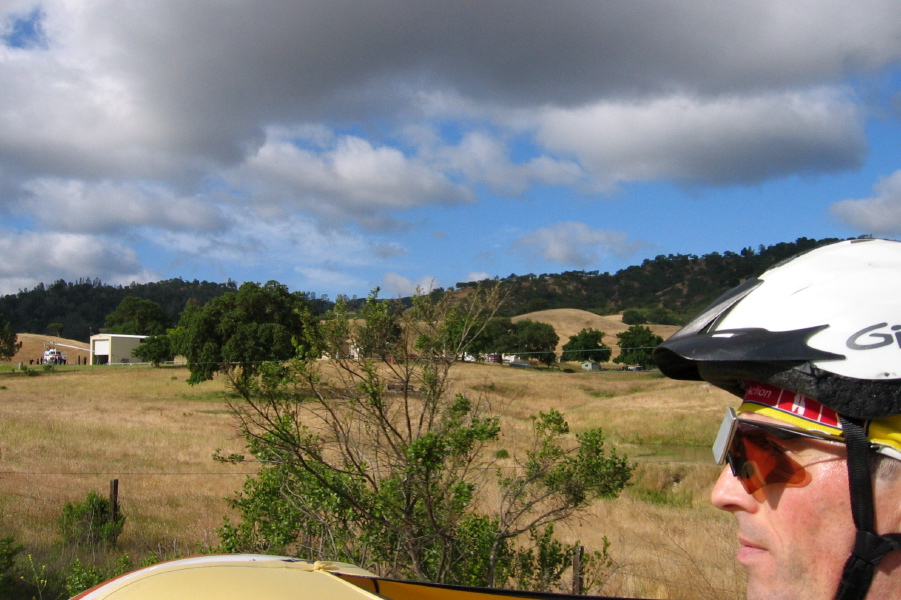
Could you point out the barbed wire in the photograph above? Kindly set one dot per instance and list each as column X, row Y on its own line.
column 481, row 355
column 122, row 473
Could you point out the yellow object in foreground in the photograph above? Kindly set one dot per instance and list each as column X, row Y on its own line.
column 262, row 577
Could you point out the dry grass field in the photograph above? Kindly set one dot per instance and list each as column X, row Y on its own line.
column 71, row 430
column 68, row 431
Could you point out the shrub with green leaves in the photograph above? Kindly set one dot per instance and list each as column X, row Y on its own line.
column 81, row 577
column 89, row 523
column 8, row 551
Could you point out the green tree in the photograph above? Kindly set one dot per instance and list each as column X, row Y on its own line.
column 588, row 344
column 497, row 337
column 237, row 332
column 663, row 316
column 155, row 349
column 633, row 316
column 536, row 340
column 636, row 345
column 384, row 463
column 137, row 316
column 55, row 328
column 9, row 341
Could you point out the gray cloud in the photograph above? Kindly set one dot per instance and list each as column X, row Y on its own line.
column 329, row 58
column 713, row 140
column 158, row 83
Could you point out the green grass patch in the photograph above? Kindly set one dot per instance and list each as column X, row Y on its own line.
column 675, row 485
column 210, row 396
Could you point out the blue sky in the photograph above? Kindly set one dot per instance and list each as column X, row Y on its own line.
column 343, row 145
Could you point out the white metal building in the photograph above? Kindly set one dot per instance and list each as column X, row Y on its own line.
column 112, row 348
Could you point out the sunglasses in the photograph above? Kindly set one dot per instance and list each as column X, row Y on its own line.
column 757, row 453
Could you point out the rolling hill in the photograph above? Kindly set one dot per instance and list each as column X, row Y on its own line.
column 33, row 346
column 570, row 321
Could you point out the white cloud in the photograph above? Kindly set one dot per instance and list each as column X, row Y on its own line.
column 82, row 207
column 483, row 158
column 28, row 258
column 398, row 285
column 350, row 180
column 290, row 243
column 575, row 244
column 878, row 215
column 326, row 279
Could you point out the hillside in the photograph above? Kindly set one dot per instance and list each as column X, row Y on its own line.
column 679, row 285
column 81, row 307
column 569, row 321
column 33, row 347
column 672, row 287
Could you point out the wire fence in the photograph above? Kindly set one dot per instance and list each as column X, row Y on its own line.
column 185, row 363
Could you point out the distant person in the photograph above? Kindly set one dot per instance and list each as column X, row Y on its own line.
column 813, row 346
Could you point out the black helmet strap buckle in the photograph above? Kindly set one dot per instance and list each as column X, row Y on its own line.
column 869, row 547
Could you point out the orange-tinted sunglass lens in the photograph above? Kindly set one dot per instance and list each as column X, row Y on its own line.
column 757, row 459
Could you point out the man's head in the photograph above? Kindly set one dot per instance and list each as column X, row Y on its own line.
column 787, row 485
column 813, row 346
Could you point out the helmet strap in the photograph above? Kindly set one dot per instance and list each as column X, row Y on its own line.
column 869, row 548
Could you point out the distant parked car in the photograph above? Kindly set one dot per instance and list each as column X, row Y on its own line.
column 54, row 357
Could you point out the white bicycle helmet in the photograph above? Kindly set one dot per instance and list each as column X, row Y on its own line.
column 825, row 324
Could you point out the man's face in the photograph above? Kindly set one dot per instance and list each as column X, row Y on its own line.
column 794, row 541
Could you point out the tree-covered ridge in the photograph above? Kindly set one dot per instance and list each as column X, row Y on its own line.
column 681, row 284
column 82, row 307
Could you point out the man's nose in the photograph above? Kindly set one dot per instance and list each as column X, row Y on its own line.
column 728, row 494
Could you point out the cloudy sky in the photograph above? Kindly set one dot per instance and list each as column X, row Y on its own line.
column 342, row 145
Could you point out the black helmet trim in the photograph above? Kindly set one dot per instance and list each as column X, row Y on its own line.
column 678, row 356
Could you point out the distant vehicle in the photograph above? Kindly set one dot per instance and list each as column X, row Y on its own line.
column 52, row 356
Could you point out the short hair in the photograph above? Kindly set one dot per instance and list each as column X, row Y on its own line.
column 884, row 467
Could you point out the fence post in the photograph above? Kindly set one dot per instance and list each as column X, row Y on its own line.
column 113, row 500
column 577, row 571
